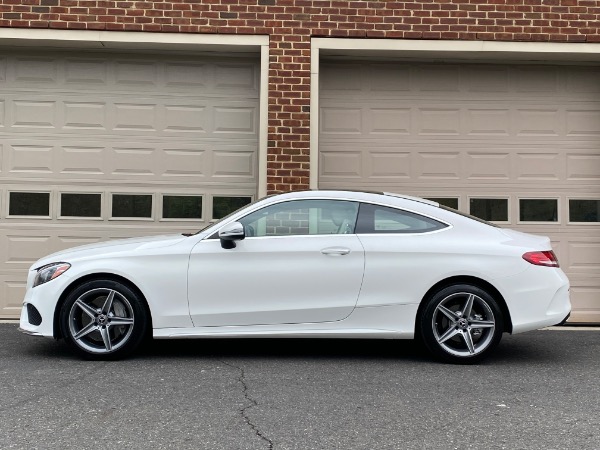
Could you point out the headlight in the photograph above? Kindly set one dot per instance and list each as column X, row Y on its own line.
column 50, row 272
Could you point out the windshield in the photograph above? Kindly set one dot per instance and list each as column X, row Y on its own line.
column 225, row 218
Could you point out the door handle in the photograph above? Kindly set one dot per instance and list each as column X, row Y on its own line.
column 335, row 251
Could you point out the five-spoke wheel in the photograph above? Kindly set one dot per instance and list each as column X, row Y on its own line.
column 461, row 323
column 103, row 319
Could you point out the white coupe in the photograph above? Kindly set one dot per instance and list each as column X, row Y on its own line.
column 305, row 264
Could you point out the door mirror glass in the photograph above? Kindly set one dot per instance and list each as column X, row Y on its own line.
column 230, row 233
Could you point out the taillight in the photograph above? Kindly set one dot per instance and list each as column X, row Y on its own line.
column 546, row 258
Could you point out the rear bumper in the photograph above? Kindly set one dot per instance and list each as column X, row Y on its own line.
column 539, row 297
column 562, row 322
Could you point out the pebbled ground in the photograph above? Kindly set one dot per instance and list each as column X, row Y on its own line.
column 541, row 390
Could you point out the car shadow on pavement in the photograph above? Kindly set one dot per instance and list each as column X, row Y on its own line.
column 531, row 348
column 512, row 350
column 286, row 348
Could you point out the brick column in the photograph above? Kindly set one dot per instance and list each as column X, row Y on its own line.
column 289, row 111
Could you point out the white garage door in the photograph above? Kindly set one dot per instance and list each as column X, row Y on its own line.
column 515, row 144
column 98, row 146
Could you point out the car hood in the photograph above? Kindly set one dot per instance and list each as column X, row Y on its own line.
column 103, row 248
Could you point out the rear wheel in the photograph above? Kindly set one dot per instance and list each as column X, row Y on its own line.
column 461, row 324
column 103, row 319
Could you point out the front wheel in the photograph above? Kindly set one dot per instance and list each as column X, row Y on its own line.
column 103, row 319
column 461, row 324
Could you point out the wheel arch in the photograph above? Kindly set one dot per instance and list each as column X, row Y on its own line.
column 478, row 282
column 57, row 331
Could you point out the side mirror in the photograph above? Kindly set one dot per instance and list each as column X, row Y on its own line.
column 230, row 233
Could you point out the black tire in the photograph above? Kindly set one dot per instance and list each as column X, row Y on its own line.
column 103, row 320
column 446, row 332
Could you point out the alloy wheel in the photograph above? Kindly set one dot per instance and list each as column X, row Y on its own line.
column 101, row 320
column 463, row 324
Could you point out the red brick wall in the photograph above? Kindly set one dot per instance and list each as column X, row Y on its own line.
column 291, row 23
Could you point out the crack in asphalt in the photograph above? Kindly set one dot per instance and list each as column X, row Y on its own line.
column 253, row 403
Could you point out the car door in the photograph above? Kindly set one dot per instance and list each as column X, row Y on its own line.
column 299, row 262
column 403, row 257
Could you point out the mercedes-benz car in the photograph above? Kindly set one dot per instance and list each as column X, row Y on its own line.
column 306, row 264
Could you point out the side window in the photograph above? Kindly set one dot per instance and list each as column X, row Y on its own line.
column 302, row 217
column 383, row 219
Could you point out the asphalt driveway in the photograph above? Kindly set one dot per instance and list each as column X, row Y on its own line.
column 541, row 390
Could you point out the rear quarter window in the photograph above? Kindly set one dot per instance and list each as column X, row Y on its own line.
column 377, row 219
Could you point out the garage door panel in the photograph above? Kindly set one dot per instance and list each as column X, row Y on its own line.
column 231, row 162
column 526, row 163
column 536, row 79
column 130, row 72
column 523, row 138
column 384, row 78
column 131, row 135
column 30, row 69
column 341, row 120
column 583, row 81
column 341, row 164
column 30, row 159
column 485, row 79
column 12, row 287
column 583, row 167
column 437, row 78
column 583, row 122
column 539, row 166
column 186, row 118
column 22, row 248
column 487, row 165
column 80, row 160
column 438, row 165
column 587, row 304
column 539, row 122
column 388, row 165
column 85, row 115
column 113, row 116
column 389, row 121
column 584, row 256
column 236, row 76
column 235, row 119
column 488, row 122
column 183, row 162
column 438, row 121
column 34, row 114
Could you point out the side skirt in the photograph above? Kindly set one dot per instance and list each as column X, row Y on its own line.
column 373, row 322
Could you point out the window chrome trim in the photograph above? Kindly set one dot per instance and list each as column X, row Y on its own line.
column 255, row 207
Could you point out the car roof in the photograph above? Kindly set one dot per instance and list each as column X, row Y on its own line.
column 385, row 197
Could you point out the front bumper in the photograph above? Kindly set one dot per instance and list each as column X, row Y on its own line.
column 44, row 299
column 30, row 333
